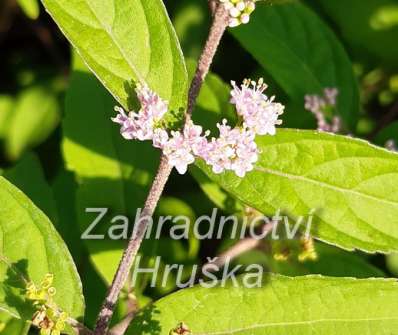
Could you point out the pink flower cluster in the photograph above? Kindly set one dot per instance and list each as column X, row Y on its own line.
column 318, row 106
column 234, row 149
column 259, row 113
column 141, row 125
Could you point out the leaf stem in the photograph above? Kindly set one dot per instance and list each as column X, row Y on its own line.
column 104, row 317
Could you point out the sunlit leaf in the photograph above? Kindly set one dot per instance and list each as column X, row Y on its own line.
column 349, row 186
column 301, row 305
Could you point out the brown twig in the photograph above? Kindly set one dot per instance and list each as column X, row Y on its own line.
column 79, row 328
column 247, row 244
column 212, row 6
column 217, row 29
column 121, row 327
column 130, row 252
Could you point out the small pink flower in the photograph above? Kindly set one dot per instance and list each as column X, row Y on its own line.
column 331, row 95
column 160, row 138
column 141, row 125
column 235, row 149
column 127, row 125
column 195, row 139
column 178, row 152
column 259, row 113
column 317, row 105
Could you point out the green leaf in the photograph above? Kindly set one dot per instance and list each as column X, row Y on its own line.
column 30, row 8
column 31, row 247
column 34, row 118
column 372, row 30
column 191, row 22
column 300, row 305
column 221, row 198
column 123, row 41
column 111, row 172
column 29, row 177
column 64, row 190
column 388, row 133
column 348, row 185
column 6, row 108
column 302, row 55
column 11, row 326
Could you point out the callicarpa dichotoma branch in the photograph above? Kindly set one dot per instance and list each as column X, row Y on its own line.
column 220, row 22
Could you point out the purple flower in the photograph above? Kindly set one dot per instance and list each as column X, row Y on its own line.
column 235, row 149
column 178, row 152
column 182, row 148
column 318, row 105
column 160, row 138
column 141, row 125
column 259, row 113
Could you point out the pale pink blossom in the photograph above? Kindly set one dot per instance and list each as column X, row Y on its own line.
column 259, row 113
column 178, row 152
column 182, row 148
column 195, row 139
column 160, row 138
column 142, row 124
column 234, row 149
column 318, row 106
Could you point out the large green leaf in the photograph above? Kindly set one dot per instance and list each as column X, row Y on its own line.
column 295, row 306
column 372, row 30
column 111, row 172
column 123, row 41
column 302, row 55
column 351, row 185
column 31, row 247
column 29, row 177
column 64, row 189
column 35, row 116
column 12, row 326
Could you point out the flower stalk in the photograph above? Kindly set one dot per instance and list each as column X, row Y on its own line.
column 220, row 22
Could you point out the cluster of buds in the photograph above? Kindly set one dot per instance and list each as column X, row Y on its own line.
column 308, row 251
column 303, row 248
column 234, row 149
column 321, row 106
column 48, row 318
column 239, row 11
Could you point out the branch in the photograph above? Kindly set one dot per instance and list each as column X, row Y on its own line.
column 121, row 327
column 220, row 22
column 212, row 6
column 79, row 328
column 130, row 252
column 247, row 244
column 217, row 29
